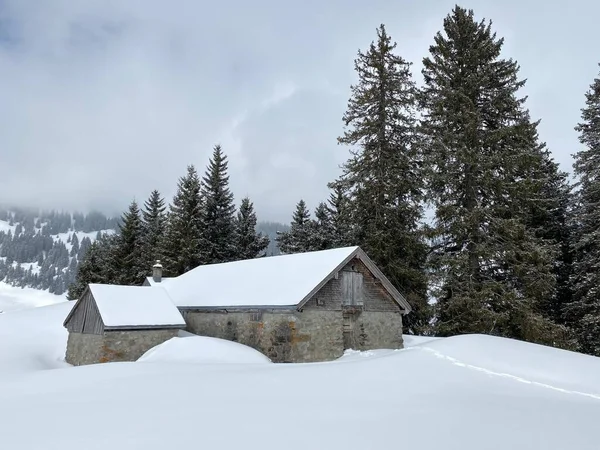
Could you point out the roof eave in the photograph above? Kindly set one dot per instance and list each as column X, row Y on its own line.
column 144, row 327
column 237, row 308
column 398, row 297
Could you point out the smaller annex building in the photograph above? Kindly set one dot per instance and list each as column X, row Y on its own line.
column 119, row 323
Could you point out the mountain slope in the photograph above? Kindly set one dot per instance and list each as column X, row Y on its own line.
column 15, row 298
column 42, row 250
column 467, row 393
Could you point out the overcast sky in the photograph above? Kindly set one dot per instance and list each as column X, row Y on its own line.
column 102, row 101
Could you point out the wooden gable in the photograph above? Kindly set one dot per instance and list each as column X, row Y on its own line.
column 85, row 316
column 352, row 284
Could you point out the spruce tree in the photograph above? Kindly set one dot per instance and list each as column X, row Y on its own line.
column 551, row 219
column 383, row 177
column 153, row 229
column 184, row 235
column 340, row 215
column 248, row 243
column 219, row 211
column 74, row 245
column 492, row 272
column 298, row 238
column 99, row 265
column 128, row 249
column 322, row 235
column 583, row 313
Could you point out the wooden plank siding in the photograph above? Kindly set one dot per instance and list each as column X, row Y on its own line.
column 86, row 318
column 93, row 321
column 352, row 288
column 361, row 256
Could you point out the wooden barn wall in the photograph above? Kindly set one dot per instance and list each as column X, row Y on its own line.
column 86, row 318
column 75, row 323
column 93, row 321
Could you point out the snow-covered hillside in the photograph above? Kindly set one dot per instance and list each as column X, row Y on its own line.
column 467, row 393
column 15, row 298
column 42, row 250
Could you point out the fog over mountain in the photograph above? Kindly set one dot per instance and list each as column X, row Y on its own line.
column 104, row 101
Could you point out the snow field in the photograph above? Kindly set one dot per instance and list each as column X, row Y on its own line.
column 466, row 392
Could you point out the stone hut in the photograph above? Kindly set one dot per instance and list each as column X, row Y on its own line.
column 302, row 307
column 119, row 323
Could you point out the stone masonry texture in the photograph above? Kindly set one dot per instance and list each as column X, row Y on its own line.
column 113, row 345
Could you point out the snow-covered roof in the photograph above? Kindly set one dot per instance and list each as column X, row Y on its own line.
column 276, row 281
column 151, row 282
column 135, row 306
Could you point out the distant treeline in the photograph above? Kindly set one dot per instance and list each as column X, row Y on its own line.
column 55, row 222
column 33, row 255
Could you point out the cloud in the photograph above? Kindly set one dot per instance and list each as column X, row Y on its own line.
column 293, row 151
column 102, row 101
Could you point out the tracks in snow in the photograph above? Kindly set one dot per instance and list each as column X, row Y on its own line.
column 459, row 363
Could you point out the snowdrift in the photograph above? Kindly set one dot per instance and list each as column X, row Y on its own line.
column 467, row 393
column 32, row 340
column 203, row 350
column 520, row 361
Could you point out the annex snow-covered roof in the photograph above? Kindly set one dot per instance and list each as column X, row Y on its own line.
column 276, row 281
column 123, row 307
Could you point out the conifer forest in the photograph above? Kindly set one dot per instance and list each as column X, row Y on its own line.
column 448, row 187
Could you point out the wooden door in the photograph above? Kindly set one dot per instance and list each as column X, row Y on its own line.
column 349, row 322
column 352, row 300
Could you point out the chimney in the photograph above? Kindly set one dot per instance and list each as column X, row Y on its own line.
column 157, row 272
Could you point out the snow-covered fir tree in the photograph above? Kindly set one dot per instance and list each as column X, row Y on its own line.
column 383, row 177
column 340, row 216
column 298, row 238
column 219, row 211
column 98, row 265
column 492, row 271
column 584, row 311
column 182, row 248
column 128, row 248
column 551, row 219
column 74, row 245
column 248, row 242
column 322, row 235
column 153, row 229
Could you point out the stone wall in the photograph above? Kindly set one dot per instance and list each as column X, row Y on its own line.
column 284, row 336
column 369, row 330
column 113, row 345
column 83, row 348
